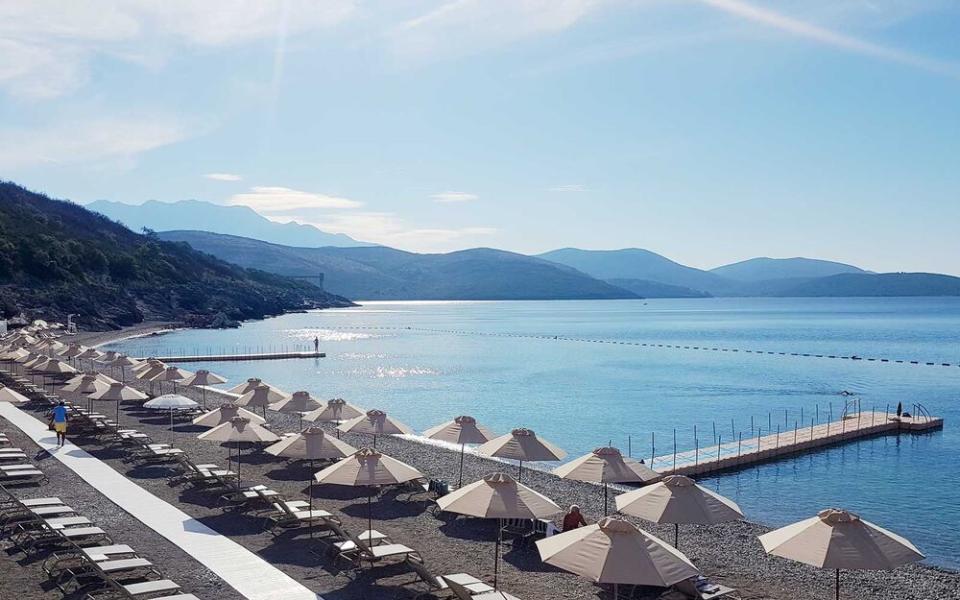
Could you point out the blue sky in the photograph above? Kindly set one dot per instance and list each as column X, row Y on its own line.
column 707, row 130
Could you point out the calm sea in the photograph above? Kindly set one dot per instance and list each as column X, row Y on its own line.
column 426, row 362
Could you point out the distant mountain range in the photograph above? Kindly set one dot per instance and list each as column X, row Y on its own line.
column 765, row 269
column 381, row 273
column 217, row 218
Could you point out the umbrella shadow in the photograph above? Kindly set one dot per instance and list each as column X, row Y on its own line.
column 384, row 509
column 293, row 472
column 477, row 530
column 232, row 523
column 191, row 428
column 339, row 492
column 526, row 558
column 207, row 498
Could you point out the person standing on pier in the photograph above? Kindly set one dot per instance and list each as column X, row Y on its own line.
column 316, row 344
column 899, row 409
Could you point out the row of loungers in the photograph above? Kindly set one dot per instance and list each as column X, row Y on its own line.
column 279, row 514
column 81, row 559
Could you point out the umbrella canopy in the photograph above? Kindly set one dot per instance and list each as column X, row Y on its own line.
column 118, row 392
column 36, row 361
column 678, row 499
column 461, row 430
column 26, row 359
column 73, row 351
column 174, row 374
column 312, row 444
column 374, row 422
column 368, row 467
column 90, row 354
column 335, row 411
column 299, row 403
column 149, row 370
column 837, row 539
column 85, row 384
column 148, row 364
column 606, row 465
column 98, row 376
column 498, row 496
column 11, row 395
column 15, row 354
column 224, row 414
column 107, row 357
column 122, row 360
column 522, row 444
column 239, row 429
column 203, row 377
column 618, row 552
column 251, row 384
column 260, row 396
column 55, row 366
column 170, row 402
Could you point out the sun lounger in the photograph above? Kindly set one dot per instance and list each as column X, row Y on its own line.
column 55, row 562
column 249, row 497
column 135, row 591
column 701, row 588
column 440, row 584
column 31, row 475
column 13, row 456
column 30, row 540
column 344, row 541
column 288, row 516
column 364, row 552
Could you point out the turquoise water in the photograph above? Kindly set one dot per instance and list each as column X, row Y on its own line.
column 505, row 368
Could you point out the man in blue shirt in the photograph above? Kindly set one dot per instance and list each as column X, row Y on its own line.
column 60, row 423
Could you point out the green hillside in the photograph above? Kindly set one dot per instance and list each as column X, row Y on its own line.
column 58, row 258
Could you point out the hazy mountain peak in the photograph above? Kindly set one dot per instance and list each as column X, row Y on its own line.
column 236, row 220
column 766, row 268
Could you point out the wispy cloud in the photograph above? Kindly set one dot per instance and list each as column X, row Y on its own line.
column 391, row 230
column 828, row 37
column 569, row 188
column 454, row 197
column 223, row 177
column 280, row 200
column 90, row 140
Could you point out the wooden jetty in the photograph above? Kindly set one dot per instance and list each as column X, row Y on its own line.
column 239, row 357
column 744, row 452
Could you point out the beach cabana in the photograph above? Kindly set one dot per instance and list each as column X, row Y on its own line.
column 616, row 552
column 171, row 402
column 678, row 500
column 838, row 539
column 300, row 403
column 498, row 496
column 368, row 468
column 225, row 413
column 522, row 445
column 462, row 430
column 239, row 430
column 606, row 466
column 201, row 379
column 375, row 422
column 311, row 444
column 118, row 392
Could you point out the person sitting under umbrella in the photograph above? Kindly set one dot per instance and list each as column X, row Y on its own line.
column 573, row 519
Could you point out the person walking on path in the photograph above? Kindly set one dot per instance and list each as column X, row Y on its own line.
column 316, row 344
column 59, row 422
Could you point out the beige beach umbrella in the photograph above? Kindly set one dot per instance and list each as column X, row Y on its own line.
column 171, row 402
column 522, row 445
column 149, row 363
column 375, row 422
column 606, row 466
column 311, row 444
column 239, row 430
column 617, row 552
column 171, row 374
column 72, row 351
column 85, row 384
column 261, row 397
column 498, row 496
column 300, row 403
column 55, row 366
column 837, row 539
column 252, row 384
column 368, row 468
column 11, row 395
column 336, row 410
column 99, row 376
column 90, row 354
column 14, row 354
column 107, row 357
column 461, row 430
column 201, row 379
column 118, row 392
column 148, row 370
column 225, row 413
column 679, row 500
column 123, row 362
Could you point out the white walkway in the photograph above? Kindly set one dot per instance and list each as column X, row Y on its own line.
column 243, row 570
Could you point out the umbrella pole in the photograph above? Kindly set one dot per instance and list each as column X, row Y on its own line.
column 520, row 470
column 311, row 498
column 462, row 451
column 238, row 464
column 676, row 535
column 496, row 554
column 171, row 419
column 118, row 413
column 605, row 503
column 838, row 584
column 369, row 515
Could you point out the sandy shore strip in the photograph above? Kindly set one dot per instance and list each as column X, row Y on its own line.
column 729, row 554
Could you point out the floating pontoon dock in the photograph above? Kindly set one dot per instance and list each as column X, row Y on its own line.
column 759, row 448
column 239, row 357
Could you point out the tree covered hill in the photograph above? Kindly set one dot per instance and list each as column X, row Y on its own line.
column 58, row 258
